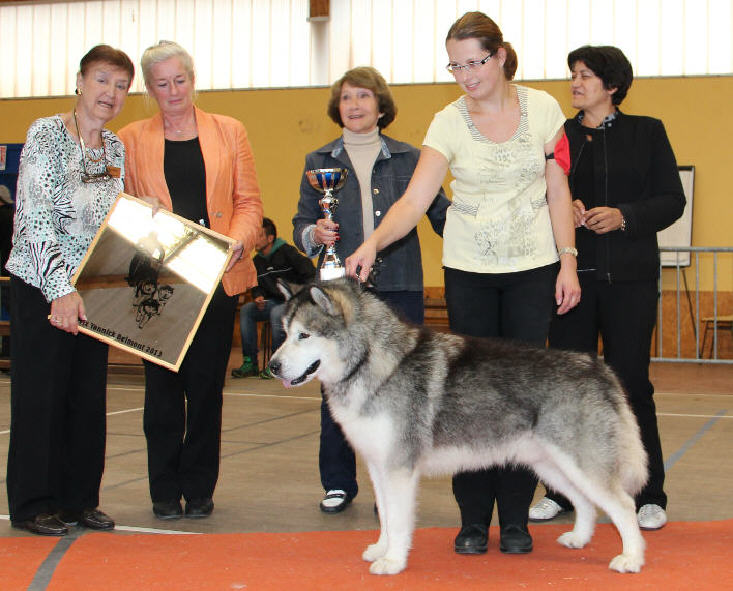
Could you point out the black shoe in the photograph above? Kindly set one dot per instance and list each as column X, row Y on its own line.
column 91, row 518
column 168, row 509
column 515, row 540
column 334, row 501
column 199, row 508
column 43, row 524
column 472, row 539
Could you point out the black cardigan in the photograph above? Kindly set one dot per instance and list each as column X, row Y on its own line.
column 634, row 169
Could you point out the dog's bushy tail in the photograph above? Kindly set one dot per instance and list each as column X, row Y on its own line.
column 634, row 469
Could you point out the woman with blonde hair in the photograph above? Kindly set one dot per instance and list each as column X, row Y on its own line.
column 200, row 166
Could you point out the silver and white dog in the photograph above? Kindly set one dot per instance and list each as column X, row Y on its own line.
column 414, row 401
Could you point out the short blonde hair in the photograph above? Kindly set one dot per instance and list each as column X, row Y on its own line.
column 162, row 51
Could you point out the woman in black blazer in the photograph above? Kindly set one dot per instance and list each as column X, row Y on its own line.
column 626, row 188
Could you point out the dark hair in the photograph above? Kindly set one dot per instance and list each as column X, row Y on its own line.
column 269, row 227
column 108, row 55
column 476, row 25
column 609, row 64
column 369, row 78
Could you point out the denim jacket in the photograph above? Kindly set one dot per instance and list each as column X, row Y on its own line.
column 401, row 266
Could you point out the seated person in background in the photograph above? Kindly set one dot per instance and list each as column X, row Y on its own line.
column 275, row 259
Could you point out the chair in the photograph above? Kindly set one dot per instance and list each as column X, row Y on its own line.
column 715, row 323
column 265, row 341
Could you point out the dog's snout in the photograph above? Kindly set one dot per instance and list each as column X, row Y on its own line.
column 275, row 366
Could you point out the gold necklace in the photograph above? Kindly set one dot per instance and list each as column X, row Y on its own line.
column 86, row 177
column 84, row 149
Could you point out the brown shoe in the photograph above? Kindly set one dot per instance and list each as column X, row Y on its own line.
column 43, row 524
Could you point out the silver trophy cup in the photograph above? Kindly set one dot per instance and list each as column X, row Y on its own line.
column 328, row 181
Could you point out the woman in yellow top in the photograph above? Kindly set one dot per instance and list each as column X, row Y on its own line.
column 199, row 166
column 508, row 242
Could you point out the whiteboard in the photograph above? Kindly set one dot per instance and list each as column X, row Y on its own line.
column 680, row 233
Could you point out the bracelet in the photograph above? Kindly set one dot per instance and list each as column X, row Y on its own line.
column 623, row 223
column 567, row 250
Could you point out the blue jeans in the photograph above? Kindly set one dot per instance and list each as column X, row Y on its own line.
column 249, row 316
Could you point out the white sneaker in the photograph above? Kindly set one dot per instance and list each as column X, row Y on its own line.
column 544, row 510
column 652, row 517
column 335, row 501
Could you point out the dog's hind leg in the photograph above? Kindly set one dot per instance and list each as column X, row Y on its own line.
column 398, row 491
column 617, row 504
column 582, row 488
column 620, row 507
column 585, row 515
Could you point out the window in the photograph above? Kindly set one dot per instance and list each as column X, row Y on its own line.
column 270, row 43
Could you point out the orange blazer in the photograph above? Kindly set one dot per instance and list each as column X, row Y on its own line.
column 232, row 193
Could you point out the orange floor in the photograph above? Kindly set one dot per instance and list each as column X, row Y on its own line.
column 683, row 555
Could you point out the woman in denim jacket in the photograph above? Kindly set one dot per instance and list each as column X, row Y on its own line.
column 379, row 170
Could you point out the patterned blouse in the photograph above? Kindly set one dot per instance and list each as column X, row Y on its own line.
column 499, row 220
column 57, row 215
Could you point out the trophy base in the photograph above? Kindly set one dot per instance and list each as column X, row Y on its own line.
column 328, row 273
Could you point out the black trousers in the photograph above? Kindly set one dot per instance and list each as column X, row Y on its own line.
column 336, row 460
column 182, row 416
column 624, row 315
column 512, row 305
column 58, row 417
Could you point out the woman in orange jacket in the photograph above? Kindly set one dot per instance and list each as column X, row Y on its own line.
column 200, row 166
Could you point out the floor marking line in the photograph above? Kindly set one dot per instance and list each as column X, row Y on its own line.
column 153, row 530
column 76, row 532
column 46, row 569
column 674, row 458
column 675, row 414
column 121, row 412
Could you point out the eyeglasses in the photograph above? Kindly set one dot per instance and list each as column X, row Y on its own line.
column 97, row 177
column 469, row 67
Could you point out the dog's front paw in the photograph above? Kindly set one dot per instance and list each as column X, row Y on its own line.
column 571, row 539
column 387, row 566
column 374, row 551
column 624, row 563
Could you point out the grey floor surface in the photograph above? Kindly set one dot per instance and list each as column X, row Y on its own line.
column 269, row 470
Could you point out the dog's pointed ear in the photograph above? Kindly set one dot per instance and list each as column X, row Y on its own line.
column 323, row 301
column 284, row 289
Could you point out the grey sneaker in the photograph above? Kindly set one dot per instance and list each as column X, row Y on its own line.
column 652, row 517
